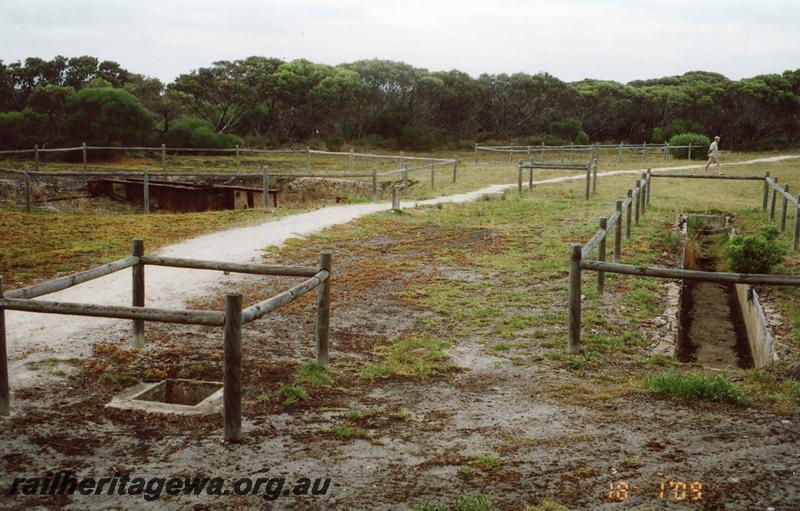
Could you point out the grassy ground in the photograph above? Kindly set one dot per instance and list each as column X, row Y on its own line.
column 43, row 244
column 449, row 385
column 514, row 302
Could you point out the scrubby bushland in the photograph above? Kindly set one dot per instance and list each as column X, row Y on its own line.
column 699, row 144
column 261, row 98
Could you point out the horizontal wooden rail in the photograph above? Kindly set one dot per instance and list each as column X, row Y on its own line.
column 51, row 286
column 381, row 156
column 613, row 219
column 554, row 166
column 593, row 242
column 676, row 273
column 707, row 176
column 781, row 190
column 259, row 309
column 256, row 269
column 187, row 317
column 408, row 169
column 18, row 151
column 218, row 175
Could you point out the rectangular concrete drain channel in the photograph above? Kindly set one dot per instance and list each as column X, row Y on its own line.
column 181, row 397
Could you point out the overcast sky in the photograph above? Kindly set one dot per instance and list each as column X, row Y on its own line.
column 618, row 40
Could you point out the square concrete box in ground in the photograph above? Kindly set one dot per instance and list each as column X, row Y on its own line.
column 181, row 397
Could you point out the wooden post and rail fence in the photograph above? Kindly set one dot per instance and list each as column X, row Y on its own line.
column 638, row 198
column 590, row 168
column 424, row 163
column 571, row 149
column 231, row 319
column 145, row 175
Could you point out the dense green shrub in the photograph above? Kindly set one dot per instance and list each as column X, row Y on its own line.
column 659, row 136
column 754, row 253
column 699, row 144
column 190, row 131
column 418, row 138
column 21, row 130
column 568, row 130
column 550, row 139
column 334, row 142
column 109, row 117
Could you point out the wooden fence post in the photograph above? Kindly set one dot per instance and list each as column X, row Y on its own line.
column 404, row 173
column 352, row 162
column 164, row 157
column 690, row 151
column 648, row 186
column 561, row 152
column 265, row 185
column 529, row 152
column 138, row 287
column 519, row 178
column 618, row 233
column 628, row 215
column 574, row 342
column 308, row 158
column 511, row 153
column 796, row 243
column 433, row 179
column 530, row 179
column 36, row 157
column 28, row 192
column 643, row 190
column 644, row 151
column 476, row 153
column 323, row 311
column 455, row 166
column 601, row 255
column 637, row 193
column 396, row 199
column 666, row 150
column 594, row 175
column 765, row 196
column 232, row 369
column 619, row 152
column 774, row 196
column 784, row 207
column 374, row 184
column 5, row 394
column 83, row 150
column 238, row 160
column 402, row 159
column 588, row 180
column 570, row 151
column 146, row 190
column 542, row 153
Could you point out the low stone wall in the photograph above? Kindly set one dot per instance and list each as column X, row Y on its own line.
column 322, row 187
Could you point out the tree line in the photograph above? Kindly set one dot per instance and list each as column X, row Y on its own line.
column 269, row 102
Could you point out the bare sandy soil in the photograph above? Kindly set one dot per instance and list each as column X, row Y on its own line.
column 553, row 436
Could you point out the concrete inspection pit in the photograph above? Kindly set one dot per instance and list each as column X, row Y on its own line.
column 181, row 397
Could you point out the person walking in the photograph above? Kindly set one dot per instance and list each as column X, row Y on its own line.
column 713, row 155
